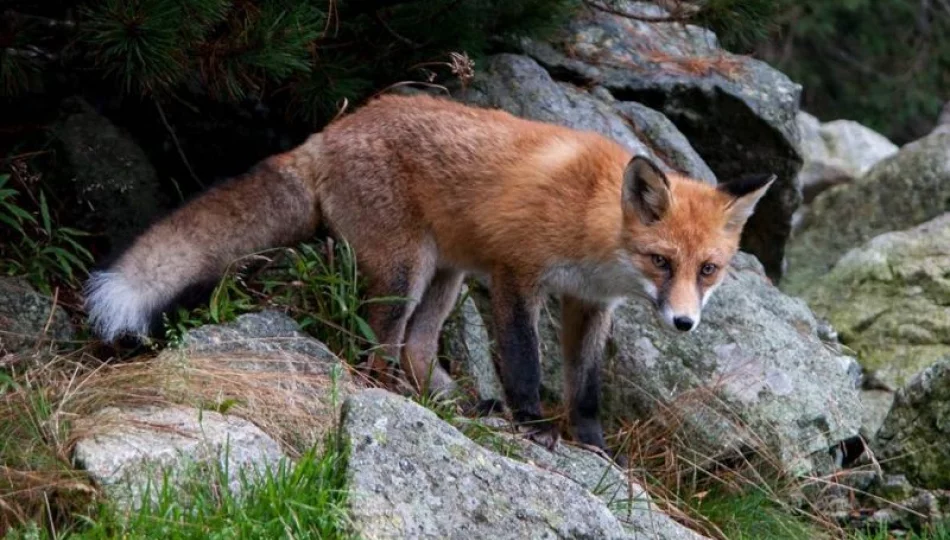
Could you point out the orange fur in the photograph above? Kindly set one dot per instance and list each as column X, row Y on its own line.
column 427, row 190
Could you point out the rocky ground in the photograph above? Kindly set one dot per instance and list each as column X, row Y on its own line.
column 827, row 349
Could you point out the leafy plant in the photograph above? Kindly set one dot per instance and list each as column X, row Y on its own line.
column 42, row 251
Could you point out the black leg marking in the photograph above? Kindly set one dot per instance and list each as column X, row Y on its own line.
column 585, row 328
column 520, row 355
column 516, row 325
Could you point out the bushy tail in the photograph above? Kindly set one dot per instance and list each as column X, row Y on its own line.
column 274, row 204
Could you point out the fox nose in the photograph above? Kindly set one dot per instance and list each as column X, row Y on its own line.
column 684, row 324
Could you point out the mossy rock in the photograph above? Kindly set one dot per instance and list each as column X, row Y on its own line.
column 901, row 191
column 913, row 440
column 889, row 300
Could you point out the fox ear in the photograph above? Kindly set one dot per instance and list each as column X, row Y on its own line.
column 646, row 191
column 746, row 193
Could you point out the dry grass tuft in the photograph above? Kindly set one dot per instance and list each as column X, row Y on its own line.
column 293, row 398
column 683, row 473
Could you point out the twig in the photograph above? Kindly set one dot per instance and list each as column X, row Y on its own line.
column 52, row 311
column 181, row 153
column 393, row 33
column 333, row 18
column 406, row 83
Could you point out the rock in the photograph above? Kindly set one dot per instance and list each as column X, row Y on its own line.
column 864, row 500
column 857, row 147
column 625, row 498
column 754, row 374
column 901, row 191
column 875, row 406
column 465, row 341
column 894, row 487
column 519, row 85
column 124, row 450
column 943, row 121
column 413, row 476
column 664, row 139
column 737, row 112
column 24, row 315
column 819, row 176
column 913, row 439
column 262, row 332
column 813, row 146
column 888, row 299
column 836, row 153
column 113, row 176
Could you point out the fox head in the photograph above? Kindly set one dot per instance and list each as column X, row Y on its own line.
column 680, row 235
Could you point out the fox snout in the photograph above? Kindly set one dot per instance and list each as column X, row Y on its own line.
column 683, row 316
column 683, row 324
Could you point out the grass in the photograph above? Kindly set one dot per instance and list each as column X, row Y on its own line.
column 940, row 531
column 305, row 499
column 316, row 283
column 42, row 407
column 38, row 248
column 752, row 515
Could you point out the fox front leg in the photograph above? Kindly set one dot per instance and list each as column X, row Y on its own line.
column 585, row 327
column 515, row 309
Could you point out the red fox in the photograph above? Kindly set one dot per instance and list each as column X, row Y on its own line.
column 427, row 190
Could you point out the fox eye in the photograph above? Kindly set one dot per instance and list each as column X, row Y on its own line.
column 708, row 269
column 660, row 261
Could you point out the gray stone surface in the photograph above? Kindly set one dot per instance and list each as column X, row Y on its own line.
column 413, row 476
column 125, row 450
column 664, row 139
column 875, row 406
column 858, row 147
column 837, row 152
column 625, row 498
column 262, row 332
column 466, row 342
column 24, row 314
column 888, row 300
column 913, row 440
column 519, row 85
column 737, row 112
column 901, row 191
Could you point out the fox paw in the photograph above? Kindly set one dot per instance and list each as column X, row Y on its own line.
column 546, row 435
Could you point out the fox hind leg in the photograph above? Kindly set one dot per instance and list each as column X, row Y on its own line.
column 402, row 279
column 422, row 335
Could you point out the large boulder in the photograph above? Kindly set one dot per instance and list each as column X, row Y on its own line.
column 112, row 175
column 132, row 452
column 837, row 152
column 255, row 386
column 264, row 332
column 913, row 440
column 755, row 375
column 888, row 300
column 737, row 112
column 903, row 190
column 943, row 121
column 28, row 318
column 519, row 85
column 412, row 475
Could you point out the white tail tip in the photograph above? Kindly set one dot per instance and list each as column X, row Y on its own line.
column 117, row 307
